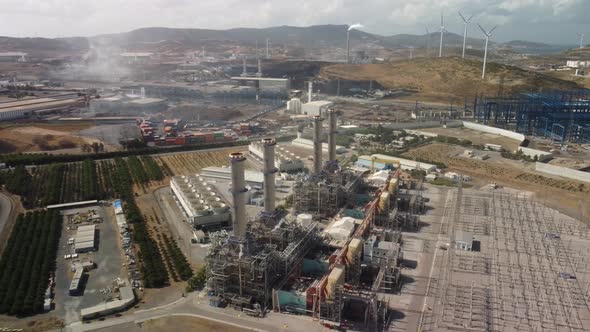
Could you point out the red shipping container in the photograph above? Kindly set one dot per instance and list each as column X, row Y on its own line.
column 180, row 140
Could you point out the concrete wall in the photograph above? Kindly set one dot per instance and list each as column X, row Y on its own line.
column 422, row 124
column 494, row 130
column 541, row 155
column 563, row 172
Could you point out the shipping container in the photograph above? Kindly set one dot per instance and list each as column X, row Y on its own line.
column 180, row 141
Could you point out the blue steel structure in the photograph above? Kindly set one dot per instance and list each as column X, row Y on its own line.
column 563, row 116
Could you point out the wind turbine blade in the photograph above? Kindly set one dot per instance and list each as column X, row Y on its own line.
column 469, row 19
column 494, row 28
column 462, row 17
column 442, row 24
column 482, row 29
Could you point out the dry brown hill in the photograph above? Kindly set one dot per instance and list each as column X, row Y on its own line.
column 446, row 79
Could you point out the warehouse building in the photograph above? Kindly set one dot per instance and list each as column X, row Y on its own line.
column 13, row 57
column 85, row 239
column 318, row 107
column 285, row 161
column 199, row 203
column 25, row 108
column 381, row 161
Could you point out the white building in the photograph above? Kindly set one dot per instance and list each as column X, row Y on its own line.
column 464, row 240
column 198, row 202
column 136, row 57
column 13, row 57
column 375, row 251
column 366, row 161
column 294, row 106
column 319, row 107
column 308, row 144
column 577, row 64
column 285, row 161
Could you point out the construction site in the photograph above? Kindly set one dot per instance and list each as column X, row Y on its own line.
column 562, row 116
column 317, row 260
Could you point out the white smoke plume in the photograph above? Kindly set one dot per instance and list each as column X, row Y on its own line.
column 356, row 26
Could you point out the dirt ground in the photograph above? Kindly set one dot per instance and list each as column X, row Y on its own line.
column 476, row 137
column 207, row 111
column 32, row 324
column 193, row 162
column 43, row 137
column 567, row 196
column 187, row 323
column 445, row 79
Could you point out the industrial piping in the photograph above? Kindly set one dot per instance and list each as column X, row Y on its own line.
column 332, row 135
column 270, row 170
column 317, row 144
column 238, row 193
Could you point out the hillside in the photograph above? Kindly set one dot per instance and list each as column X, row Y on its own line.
column 161, row 40
column 445, row 79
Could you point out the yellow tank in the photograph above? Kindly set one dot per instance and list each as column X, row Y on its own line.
column 384, row 200
column 392, row 186
column 354, row 249
column 335, row 278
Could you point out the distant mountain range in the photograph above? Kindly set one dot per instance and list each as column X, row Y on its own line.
column 308, row 37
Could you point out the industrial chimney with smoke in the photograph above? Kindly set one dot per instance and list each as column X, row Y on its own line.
column 239, row 193
column 332, row 135
column 268, row 145
column 317, row 144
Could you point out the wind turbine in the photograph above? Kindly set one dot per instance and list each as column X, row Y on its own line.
column 352, row 27
column 442, row 31
column 485, row 53
column 466, row 21
column 427, row 42
column 581, row 40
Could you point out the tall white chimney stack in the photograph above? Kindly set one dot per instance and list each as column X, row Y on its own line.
column 310, row 91
column 239, row 190
column 317, row 144
column 268, row 145
column 332, row 135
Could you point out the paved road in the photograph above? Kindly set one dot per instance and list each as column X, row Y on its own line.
column 196, row 304
column 5, row 211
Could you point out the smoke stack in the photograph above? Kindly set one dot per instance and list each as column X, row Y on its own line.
column 244, row 70
column 239, row 193
column 267, row 51
column 332, row 135
column 348, row 46
column 259, row 73
column 317, row 144
column 268, row 144
column 310, row 91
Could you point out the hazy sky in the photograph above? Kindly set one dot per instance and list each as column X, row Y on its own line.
column 552, row 21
